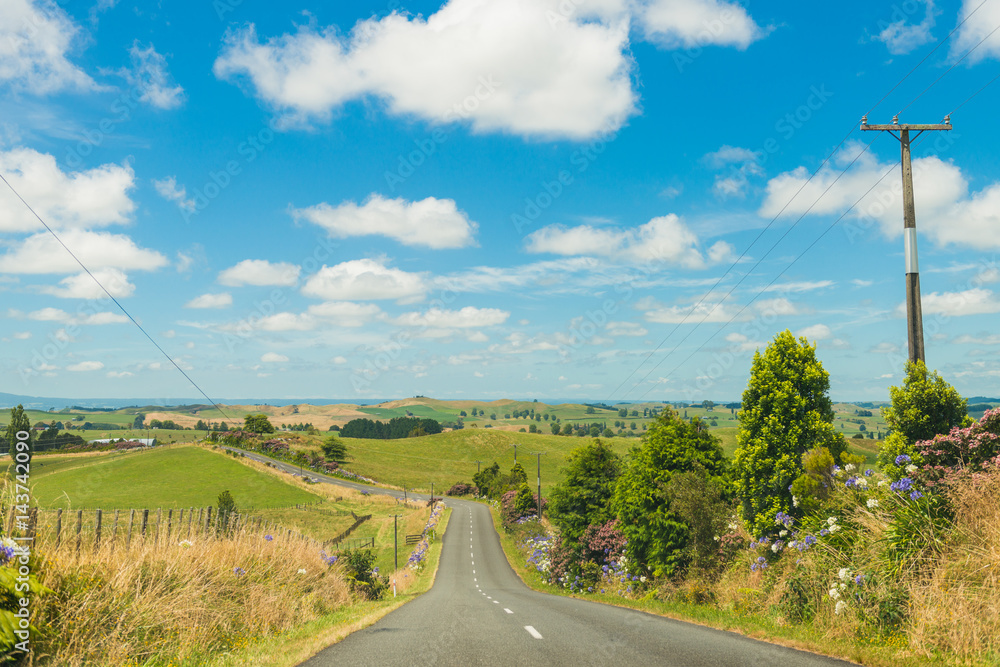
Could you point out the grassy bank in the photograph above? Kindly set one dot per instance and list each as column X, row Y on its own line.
column 740, row 604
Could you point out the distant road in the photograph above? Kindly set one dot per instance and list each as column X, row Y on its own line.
column 480, row 613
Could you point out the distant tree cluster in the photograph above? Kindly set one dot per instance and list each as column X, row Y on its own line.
column 297, row 427
column 394, row 429
column 166, row 424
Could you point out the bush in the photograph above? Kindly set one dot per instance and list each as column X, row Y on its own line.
column 462, row 489
column 518, row 504
column 362, row 576
column 973, row 449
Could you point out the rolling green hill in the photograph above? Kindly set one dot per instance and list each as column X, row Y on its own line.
column 170, row 477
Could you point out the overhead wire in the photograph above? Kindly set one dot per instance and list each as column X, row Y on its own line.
column 780, row 274
column 703, row 299
column 111, row 296
column 794, row 196
column 762, row 258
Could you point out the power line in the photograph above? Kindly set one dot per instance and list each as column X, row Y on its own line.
column 954, row 65
column 754, row 242
column 758, row 263
column 929, row 54
column 731, row 267
column 783, row 271
column 969, row 99
column 110, row 296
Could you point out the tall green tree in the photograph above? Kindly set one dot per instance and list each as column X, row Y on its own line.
column 18, row 422
column 925, row 406
column 334, row 449
column 584, row 495
column 257, row 424
column 657, row 536
column 786, row 412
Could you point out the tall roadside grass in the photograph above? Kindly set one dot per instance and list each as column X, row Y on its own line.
column 178, row 603
column 956, row 609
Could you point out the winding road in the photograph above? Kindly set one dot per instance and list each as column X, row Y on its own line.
column 478, row 612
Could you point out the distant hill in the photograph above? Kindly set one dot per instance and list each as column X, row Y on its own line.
column 44, row 403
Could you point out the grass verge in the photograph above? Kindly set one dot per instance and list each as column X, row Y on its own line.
column 306, row 640
column 870, row 651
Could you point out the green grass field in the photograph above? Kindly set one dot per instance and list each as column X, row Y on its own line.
column 171, row 477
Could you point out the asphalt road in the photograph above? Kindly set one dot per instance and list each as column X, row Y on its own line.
column 480, row 613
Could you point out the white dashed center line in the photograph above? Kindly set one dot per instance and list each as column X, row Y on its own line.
column 534, row 633
column 507, row 610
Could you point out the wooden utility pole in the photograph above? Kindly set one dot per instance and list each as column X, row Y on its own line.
column 914, row 315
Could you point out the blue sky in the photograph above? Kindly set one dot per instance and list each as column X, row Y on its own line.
column 605, row 199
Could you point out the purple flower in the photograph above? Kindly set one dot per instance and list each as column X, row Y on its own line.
column 239, row 571
column 860, row 579
column 916, row 495
column 824, row 532
column 902, row 459
column 869, row 472
column 903, row 485
column 268, row 538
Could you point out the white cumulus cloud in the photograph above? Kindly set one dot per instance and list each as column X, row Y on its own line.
column 434, row 223
column 96, row 197
column 168, row 189
column 499, row 65
column 697, row 23
column 665, row 239
column 467, row 317
column 273, row 358
column 365, row 280
column 260, row 272
column 35, row 38
column 947, row 213
column 83, row 286
column 221, row 300
column 41, row 253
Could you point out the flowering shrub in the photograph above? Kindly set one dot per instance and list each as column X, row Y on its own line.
column 462, row 489
column 519, row 504
column 418, row 556
column 974, row 448
column 604, row 543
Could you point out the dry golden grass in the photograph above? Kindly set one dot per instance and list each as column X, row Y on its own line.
column 178, row 603
column 957, row 609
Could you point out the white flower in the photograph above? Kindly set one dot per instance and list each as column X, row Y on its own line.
column 834, row 528
column 843, row 585
column 783, row 533
column 832, row 520
column 733, row 527
column 881, row 482
column 302, row 570
column 8, row 542
column 835, row 593
column 911, row 469
column 186, row 543
column 775, row 547
column 795, row 501
column 840, row 607
column 861, row 483
column 716, row 538
column 850, row 467
column 642, row 580
column 872, row 503
column 844, row 573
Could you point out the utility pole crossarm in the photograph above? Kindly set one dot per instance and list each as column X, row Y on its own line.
column 909, row 126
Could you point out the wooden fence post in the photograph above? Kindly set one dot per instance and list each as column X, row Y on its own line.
column 170, row 522
column 58, row 527
column 97, row 530
column 114, row 531
column 159, row 515
column 79, row 527
column 145, row 522
column 32, row 521
column 208, row 519
column 190, row 515
column 131, row 520
column 201, row 517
